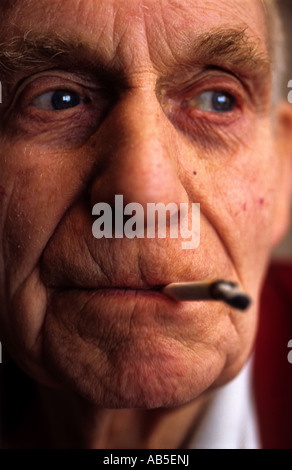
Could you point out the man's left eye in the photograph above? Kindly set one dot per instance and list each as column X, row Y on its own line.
column 58, row 100
column 213, row 101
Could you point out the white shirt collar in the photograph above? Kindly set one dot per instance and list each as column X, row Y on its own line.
column 230, row 420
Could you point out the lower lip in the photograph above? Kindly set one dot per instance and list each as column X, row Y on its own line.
column 127, row 292
column 105, row 302
column 121, row 292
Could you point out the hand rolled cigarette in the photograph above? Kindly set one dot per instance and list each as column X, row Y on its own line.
column 225, row 291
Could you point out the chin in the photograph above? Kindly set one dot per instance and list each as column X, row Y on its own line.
column 139, row 375
column 135, row 352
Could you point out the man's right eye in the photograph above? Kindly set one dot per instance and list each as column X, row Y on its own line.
column 58, row 100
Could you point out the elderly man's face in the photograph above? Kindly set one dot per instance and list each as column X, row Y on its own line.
column 166, row 102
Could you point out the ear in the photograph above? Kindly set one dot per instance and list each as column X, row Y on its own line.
column 283, row 130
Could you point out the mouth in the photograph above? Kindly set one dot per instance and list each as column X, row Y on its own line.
column 154, row 292
column 192, row 291
column 118, row 284
column 119, row 273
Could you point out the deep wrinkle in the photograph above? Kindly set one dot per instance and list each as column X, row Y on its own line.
column 33, row 51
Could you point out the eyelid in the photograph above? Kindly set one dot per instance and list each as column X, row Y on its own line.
column 229, row 89
column 207, row 126
column 213, row 117
column 175, row 98
column 44, row 101
column 50, row 80
column 208, row 80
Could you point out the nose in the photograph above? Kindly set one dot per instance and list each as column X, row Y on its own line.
column 138, row 153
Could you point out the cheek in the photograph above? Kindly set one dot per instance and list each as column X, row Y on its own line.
column 34, row 196
column 249, row 192
column 36, row 189
column 237, row 193
column 252, row 200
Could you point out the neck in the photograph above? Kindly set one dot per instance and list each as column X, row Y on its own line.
column 72, row 423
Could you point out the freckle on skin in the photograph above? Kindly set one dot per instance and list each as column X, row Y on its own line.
column 194, row 172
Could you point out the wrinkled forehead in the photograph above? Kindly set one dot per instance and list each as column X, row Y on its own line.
column 163, row 32
column 189, row 14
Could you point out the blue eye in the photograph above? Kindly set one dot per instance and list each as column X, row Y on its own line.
column 213, row 101
column 58, row 100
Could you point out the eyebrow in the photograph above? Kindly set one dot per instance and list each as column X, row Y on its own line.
column 230, row 47
column 234, row 46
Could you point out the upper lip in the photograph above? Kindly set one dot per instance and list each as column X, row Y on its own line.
column 80, row 280
column 143, row 285
column 59, row 271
